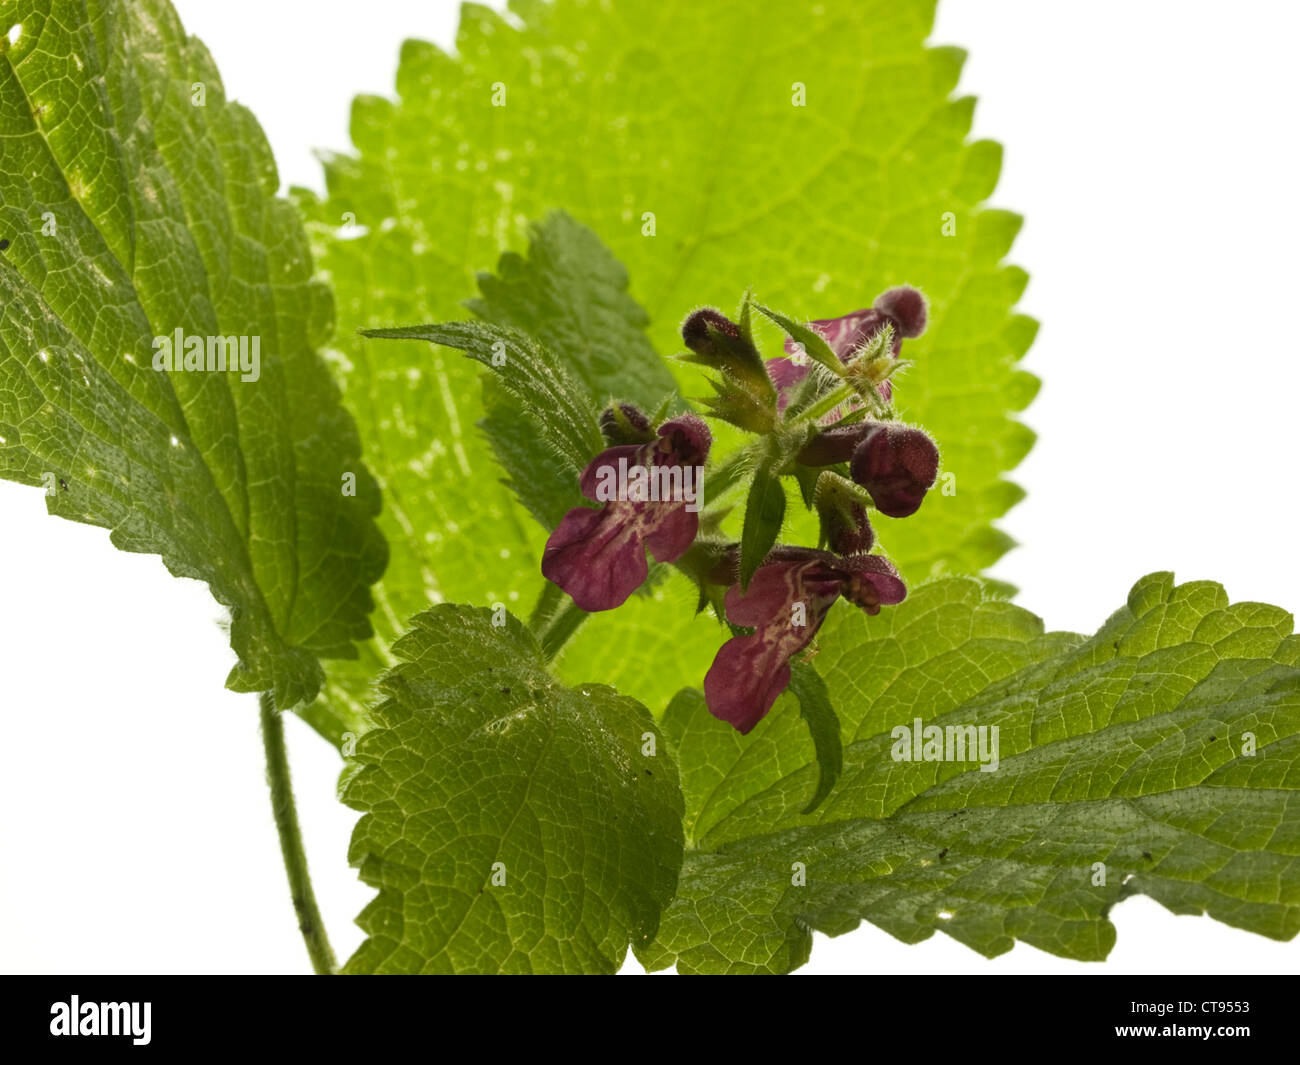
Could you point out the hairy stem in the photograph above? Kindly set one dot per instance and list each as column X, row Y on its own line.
column 554, row 619
column 286, row 824
column 728, row 472
column 548, row 603
column 563, row 624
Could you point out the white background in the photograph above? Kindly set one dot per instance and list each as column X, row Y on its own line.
column 1151, row 147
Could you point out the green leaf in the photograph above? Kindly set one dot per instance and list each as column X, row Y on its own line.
column 536, row 377
column 131, row 213
column 511, row 824
column 1128, row 754
column 570, row 294
column 815, row 708
column 764, row 513
column 543, row 480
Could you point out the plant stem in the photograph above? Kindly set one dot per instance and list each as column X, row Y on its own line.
column 286, row 824
column 721, row 479
column 548, row 603
column 563, row 624
column 554, row 619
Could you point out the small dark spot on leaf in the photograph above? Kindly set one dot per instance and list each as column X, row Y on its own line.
column 63, row 484
column 1146, row 855
column 943, row 854
column 648, row 773
column 1213, row 738
column 4, row 243
column 505, row 691
column 1115, row 645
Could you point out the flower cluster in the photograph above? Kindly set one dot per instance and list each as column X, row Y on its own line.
column 832, row 429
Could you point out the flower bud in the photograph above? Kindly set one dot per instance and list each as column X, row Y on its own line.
column 704, row 331
column 719, row 343
column 906, row 307
column 843, row 514
column 897, row 465
column 624, row 424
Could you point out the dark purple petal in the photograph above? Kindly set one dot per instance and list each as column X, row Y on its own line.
column 811, row 580
column 794, row 553
column 787, row 373
column 844, row 335
column 770, row 592
column 847, row 334
column 839, row 333
column 872, row 582
column 685, row 440
column 605, row 466
column 747, row 676
column 749, row 672
column 597, row 556
column 897, row 465
column 671, row 532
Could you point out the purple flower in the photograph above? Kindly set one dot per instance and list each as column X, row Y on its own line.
column 786, row 603
column 895, row 463
column 598, row 556
column 904, row 308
